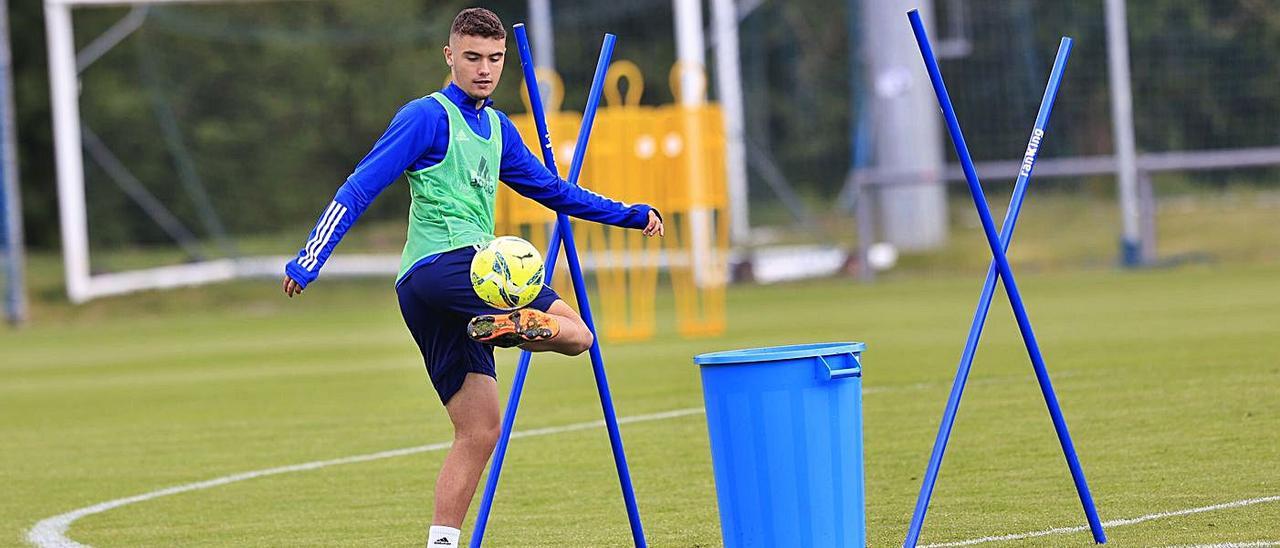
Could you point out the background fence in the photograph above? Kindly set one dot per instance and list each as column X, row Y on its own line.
column 221, row 129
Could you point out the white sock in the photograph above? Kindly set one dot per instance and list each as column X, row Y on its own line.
column 442, row 537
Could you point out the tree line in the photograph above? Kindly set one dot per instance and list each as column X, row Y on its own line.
column 267, row 107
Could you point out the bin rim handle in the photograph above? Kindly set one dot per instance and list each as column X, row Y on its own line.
column 828, row 373
column 778, row 353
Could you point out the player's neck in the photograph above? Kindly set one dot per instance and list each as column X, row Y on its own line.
column 477, row 102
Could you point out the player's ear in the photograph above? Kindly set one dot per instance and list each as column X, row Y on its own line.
column 448, row 56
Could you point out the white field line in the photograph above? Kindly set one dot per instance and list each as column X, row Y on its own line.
column 1117, row 523
column 1254, row 544
column 52, row 532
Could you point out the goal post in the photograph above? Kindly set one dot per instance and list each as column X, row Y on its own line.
column 263, row 99
column 65, row 106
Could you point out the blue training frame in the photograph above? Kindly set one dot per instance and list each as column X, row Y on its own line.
column 563, row 231
column 1000, row 265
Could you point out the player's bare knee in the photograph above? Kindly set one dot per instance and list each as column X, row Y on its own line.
column 492, row 429
column 480, row 431
column 490, row 436
column 480, row 436
column 584, row 342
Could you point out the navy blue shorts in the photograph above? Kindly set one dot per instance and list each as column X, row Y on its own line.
column 437, row 301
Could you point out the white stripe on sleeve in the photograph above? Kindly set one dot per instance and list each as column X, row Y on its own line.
column 310, row 263
column 320, row 226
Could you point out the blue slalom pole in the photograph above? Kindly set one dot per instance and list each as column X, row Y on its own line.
column 564, row 231
column 551, row 258
column 988, row 291
column 1006, row 276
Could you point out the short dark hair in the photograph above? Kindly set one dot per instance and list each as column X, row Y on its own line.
column 478, row 22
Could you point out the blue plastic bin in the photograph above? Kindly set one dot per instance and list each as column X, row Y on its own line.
column 786, row 444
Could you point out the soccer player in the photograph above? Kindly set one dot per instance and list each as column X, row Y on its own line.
column 454, row 148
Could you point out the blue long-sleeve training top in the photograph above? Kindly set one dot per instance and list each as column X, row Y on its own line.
column 417, row 138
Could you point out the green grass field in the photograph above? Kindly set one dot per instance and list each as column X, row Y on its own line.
column 1169, row 379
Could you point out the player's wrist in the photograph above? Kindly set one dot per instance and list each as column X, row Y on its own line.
column 298, row 274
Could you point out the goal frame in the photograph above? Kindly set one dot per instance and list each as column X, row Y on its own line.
column 81, row 283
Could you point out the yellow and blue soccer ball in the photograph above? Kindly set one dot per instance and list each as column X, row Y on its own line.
column 507, row 273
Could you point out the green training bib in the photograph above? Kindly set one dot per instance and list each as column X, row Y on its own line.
column 453, row 200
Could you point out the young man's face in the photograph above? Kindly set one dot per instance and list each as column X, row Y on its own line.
column 476, row 63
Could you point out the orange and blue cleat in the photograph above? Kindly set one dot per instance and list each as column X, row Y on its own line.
column 513, row 329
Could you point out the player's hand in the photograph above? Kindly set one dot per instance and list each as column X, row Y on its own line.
column 292, row 287
column 655, row 225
